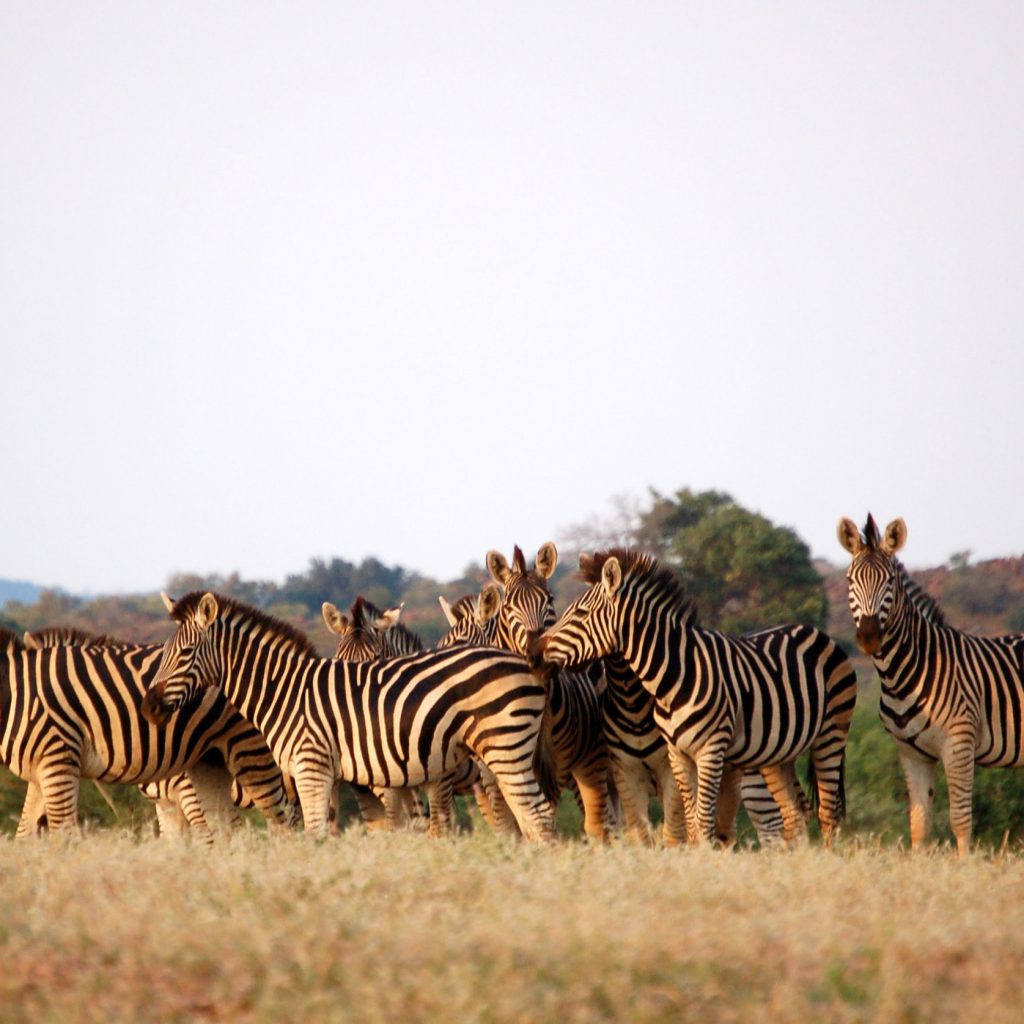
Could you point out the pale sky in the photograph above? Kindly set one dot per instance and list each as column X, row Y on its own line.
column 417, row 280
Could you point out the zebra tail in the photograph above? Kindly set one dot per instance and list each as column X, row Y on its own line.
column 102, row 790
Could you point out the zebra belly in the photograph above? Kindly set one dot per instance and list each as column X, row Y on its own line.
column 367, row 771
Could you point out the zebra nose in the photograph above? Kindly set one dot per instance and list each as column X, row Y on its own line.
column 152, row 708
column 869, row 634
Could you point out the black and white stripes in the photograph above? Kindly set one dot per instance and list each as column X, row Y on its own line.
column 946, row 695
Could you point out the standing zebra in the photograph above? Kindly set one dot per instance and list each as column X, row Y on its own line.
column 366, row 634
column 68, row 713
column 206, row 789
column 946, row 696
column 726, row 704
column 576, row 727
column 394, row 723
column 630, row 740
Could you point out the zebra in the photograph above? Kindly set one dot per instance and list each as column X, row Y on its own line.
column 72, row 712
column 635, row 748
column 576, row 727
column 206, row 788
column 394, row 723
column 725, row 704
column 473, row 619
column 365, row 634
column 946, row 695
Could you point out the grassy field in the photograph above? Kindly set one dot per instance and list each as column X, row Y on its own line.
column 473, row 928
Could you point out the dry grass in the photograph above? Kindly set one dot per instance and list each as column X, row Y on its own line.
column 389, row 928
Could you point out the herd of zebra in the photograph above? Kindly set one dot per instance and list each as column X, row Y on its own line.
column 623, row 696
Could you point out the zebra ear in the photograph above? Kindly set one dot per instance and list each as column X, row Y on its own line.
column 489, row 604
column 206, row 613
column 497, row 566
column 547, row 560
column 389, row 618
column 31, row 643
column 447, row 609
column 168, row 601
column 611, row 576
column 849, row 535
column 334, row 620
column 895, row 537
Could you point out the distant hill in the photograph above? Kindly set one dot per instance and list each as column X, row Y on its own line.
column 18, row 590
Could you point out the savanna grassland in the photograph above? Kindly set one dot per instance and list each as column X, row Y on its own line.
column 477, row 928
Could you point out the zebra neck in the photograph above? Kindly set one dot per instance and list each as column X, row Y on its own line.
column 262, row 679
column 645, row 642
column 906, row 632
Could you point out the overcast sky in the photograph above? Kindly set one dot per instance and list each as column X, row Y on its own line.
column 418, row 280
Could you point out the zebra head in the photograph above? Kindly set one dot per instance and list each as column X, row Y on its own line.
column 589, row 627
column 363, row 634
column 472, row 620
column 872, row 576
column 190, row 661
column 528, row 608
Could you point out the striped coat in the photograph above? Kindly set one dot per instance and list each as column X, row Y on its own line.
column 68, row 713
column 725, row 704
column 395, row 723
column 946, row 695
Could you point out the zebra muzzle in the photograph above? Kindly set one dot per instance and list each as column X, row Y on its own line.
column 869, row 634
column 153, row 708
column 535, row 648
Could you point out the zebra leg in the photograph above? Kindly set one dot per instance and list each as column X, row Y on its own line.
column 373, row 808
column 710, row 762
column 631, row 782
column 920, row 776
column 592, row 782
column 674, row 829
column 505, row 823
column 762, row 809
column 33, row 813
column 60, row 794
column 829, row 773
column 314, row 788
column 958, row 761
column 781, row 782
column 187, row 799
column 728, row 806
column 684, row 771
column 440, row 794
column 518, row 783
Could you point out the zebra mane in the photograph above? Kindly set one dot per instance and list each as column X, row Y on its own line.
column 871, row 535
column 518, row 560
column 70, row 636
column 9, row 640
column 364, row 613
column 186, row 607
column 919, row 597
column 639, row 565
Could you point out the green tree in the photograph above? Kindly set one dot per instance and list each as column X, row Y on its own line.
column 743, row 571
